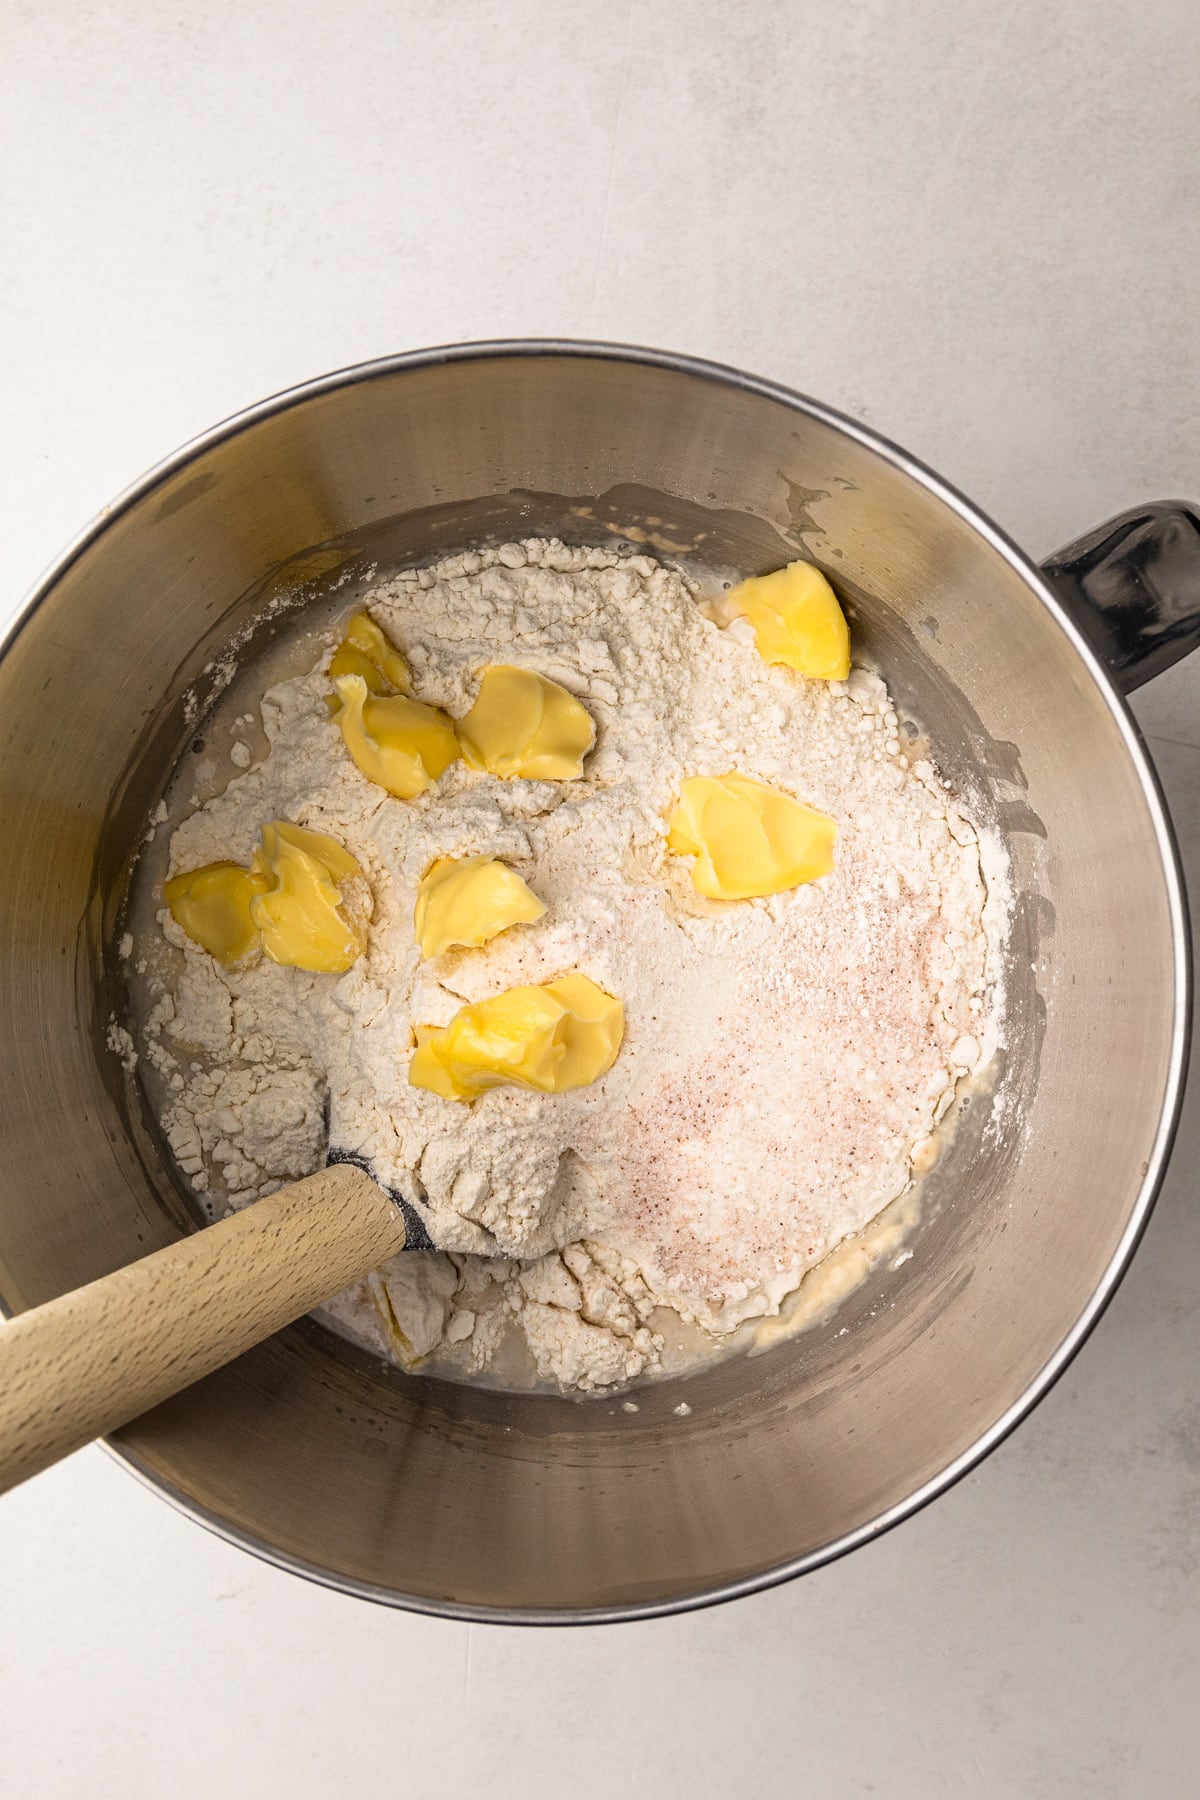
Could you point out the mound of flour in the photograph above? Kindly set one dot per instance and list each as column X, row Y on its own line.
column 785, row 1060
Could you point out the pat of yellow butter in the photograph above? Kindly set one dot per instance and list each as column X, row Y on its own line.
column 796, row 620
column 468, row 901
column 524, row 724
column 212, row 905
column 312, row 908
column 399, row 743
column 562, row 1035
column 748, row 838
column 366, row 650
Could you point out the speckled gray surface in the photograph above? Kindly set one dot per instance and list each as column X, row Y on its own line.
column 971, row 225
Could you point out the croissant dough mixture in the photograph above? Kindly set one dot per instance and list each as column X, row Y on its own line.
column 785, row 1059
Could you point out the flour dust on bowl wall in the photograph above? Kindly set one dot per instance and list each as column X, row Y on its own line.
column 701, row 959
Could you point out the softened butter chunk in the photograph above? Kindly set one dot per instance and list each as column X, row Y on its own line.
column 797, row 620
column 312, row 909
column 367, row 650
column 524, row 724
column 748, row 838
column 562, row 1035
column 468, row 901
column 399, row 743
column 212, row 905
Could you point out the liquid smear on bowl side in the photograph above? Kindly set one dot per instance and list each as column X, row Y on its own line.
column 789, row 1063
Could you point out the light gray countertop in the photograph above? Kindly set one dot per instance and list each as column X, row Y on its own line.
column 973, row 226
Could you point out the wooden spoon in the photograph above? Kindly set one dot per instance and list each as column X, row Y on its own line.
column 84, row 1364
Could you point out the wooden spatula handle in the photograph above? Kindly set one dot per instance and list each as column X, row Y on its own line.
column 81, row 1365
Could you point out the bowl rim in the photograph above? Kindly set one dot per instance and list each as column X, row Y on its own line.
column 904, row 463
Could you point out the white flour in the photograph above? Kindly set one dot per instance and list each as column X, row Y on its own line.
column 784, row 1059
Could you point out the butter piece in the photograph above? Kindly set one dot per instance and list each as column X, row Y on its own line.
column 469, row 901
column 212, row 905
column 523, row 724
column 563, row 1035
column 748, row 838
column 312, row 908
column 399, row 743
column 796, row 620
column 366, row 650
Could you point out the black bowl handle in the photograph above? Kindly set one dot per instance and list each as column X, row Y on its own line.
column 1133, row 588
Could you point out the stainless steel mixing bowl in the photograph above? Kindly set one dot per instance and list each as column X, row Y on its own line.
column 481, row 1504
